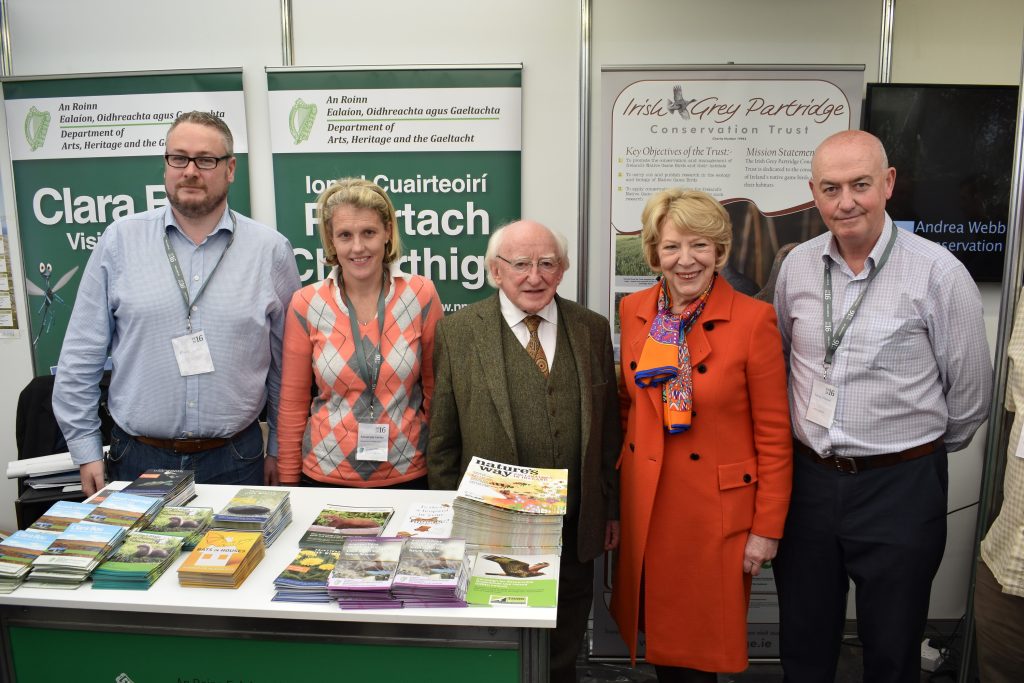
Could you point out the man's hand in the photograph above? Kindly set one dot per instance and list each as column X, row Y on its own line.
column 270, row 475
column 611, row 534
column 758, row 551
column 91, row 474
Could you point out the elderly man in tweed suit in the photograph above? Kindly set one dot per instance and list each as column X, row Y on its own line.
column 527, row 378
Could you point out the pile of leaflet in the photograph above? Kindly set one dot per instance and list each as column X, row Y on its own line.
column 17, row 552
column 138, row 563
column 305, row 578
column 222, row 559
column 433, row 572
column 265, row 510
column 187, row 523
column 72, row 556
column 364, row 572
column 172, row 487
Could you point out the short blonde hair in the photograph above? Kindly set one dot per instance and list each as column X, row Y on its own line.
column 690, row 211
column 362, row 194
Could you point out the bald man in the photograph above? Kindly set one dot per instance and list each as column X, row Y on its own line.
column 889, row 371
column 527, row 378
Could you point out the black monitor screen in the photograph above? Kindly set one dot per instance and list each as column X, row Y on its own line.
column 952, row 146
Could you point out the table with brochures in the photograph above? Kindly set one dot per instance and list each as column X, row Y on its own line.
column 178, row 634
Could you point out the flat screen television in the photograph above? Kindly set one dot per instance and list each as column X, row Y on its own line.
column 952, row 146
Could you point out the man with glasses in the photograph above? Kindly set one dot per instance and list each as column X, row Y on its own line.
column 189, row 302
column 527, row 378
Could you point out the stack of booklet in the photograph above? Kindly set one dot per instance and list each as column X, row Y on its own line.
column 265, row 510
column 364, row 572
column 72, row 556
column 510, row 508
column 433, row 572
column 125, row 510
column 138, row 563
column 61, row 514
column 172, row 487
column 305, row 578
column 222, row 559
column 188, row 524
column 17, row 552
column 333, row 524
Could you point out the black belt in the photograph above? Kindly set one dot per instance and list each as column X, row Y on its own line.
column 851, row 465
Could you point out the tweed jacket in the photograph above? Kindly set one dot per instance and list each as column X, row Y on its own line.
column 471, row 414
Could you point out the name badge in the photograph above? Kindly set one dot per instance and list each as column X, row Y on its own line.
column 373, row 442
column 822, row 408
column 1020, row 446
column 193, row 354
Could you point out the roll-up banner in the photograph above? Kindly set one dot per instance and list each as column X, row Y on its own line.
column 444, row 142
column 87, row 150
column 743, row 134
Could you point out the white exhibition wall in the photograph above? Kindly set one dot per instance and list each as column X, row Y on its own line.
column 934, row 41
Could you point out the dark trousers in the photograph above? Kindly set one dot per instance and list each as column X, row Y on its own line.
column 575, row 598
column 1000, row 625
column 239, row 461
column 886, row 530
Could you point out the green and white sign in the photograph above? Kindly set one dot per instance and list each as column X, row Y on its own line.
column 87, row 151
column 444, row 143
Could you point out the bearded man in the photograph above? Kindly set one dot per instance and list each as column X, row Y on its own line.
column 188, row 300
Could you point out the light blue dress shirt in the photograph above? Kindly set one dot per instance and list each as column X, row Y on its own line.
column 914, row 364
column 130, row 307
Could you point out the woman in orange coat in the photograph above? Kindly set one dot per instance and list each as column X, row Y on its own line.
column 706, row 465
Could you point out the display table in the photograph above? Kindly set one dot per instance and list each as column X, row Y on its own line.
column 210, row 635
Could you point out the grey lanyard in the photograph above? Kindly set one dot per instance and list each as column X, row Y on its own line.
column 834, row 336
column 172, row 258
column 363, row 347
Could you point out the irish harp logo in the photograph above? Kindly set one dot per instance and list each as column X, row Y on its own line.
column 36, row 124
column 300, row 120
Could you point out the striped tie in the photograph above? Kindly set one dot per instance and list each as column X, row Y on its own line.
column 533, row 346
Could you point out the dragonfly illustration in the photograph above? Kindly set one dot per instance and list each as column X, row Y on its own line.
column 49, row 295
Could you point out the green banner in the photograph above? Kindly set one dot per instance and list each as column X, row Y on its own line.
column 444, row 143
column 87, row 151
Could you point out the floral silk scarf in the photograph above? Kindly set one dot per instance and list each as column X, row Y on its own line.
column 665, row 358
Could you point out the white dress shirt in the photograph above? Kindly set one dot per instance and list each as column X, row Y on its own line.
column 547, row 331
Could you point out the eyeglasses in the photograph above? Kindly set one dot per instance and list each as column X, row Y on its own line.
column 522, row 266
column 202, row 163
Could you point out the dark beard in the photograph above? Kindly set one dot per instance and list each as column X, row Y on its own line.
column 197, row 208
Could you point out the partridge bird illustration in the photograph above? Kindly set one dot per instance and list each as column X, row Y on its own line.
column 678, row 103
column 517, row 568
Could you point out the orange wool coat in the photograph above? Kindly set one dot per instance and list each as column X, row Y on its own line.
column 690, row 500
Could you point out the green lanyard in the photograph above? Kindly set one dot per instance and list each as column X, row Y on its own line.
column 363, row 347
column 834, row 335
column 179, row 277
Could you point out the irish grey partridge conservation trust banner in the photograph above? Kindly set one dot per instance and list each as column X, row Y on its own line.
column 87, row 151
column 445, row 143
column 744, row 135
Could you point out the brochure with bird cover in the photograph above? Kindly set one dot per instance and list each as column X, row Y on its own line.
column 61, row 514
column 138, row 563
column 252, row 509
column 335, row 522
column 531, row 490
column 427, row 520
column 514, row 581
